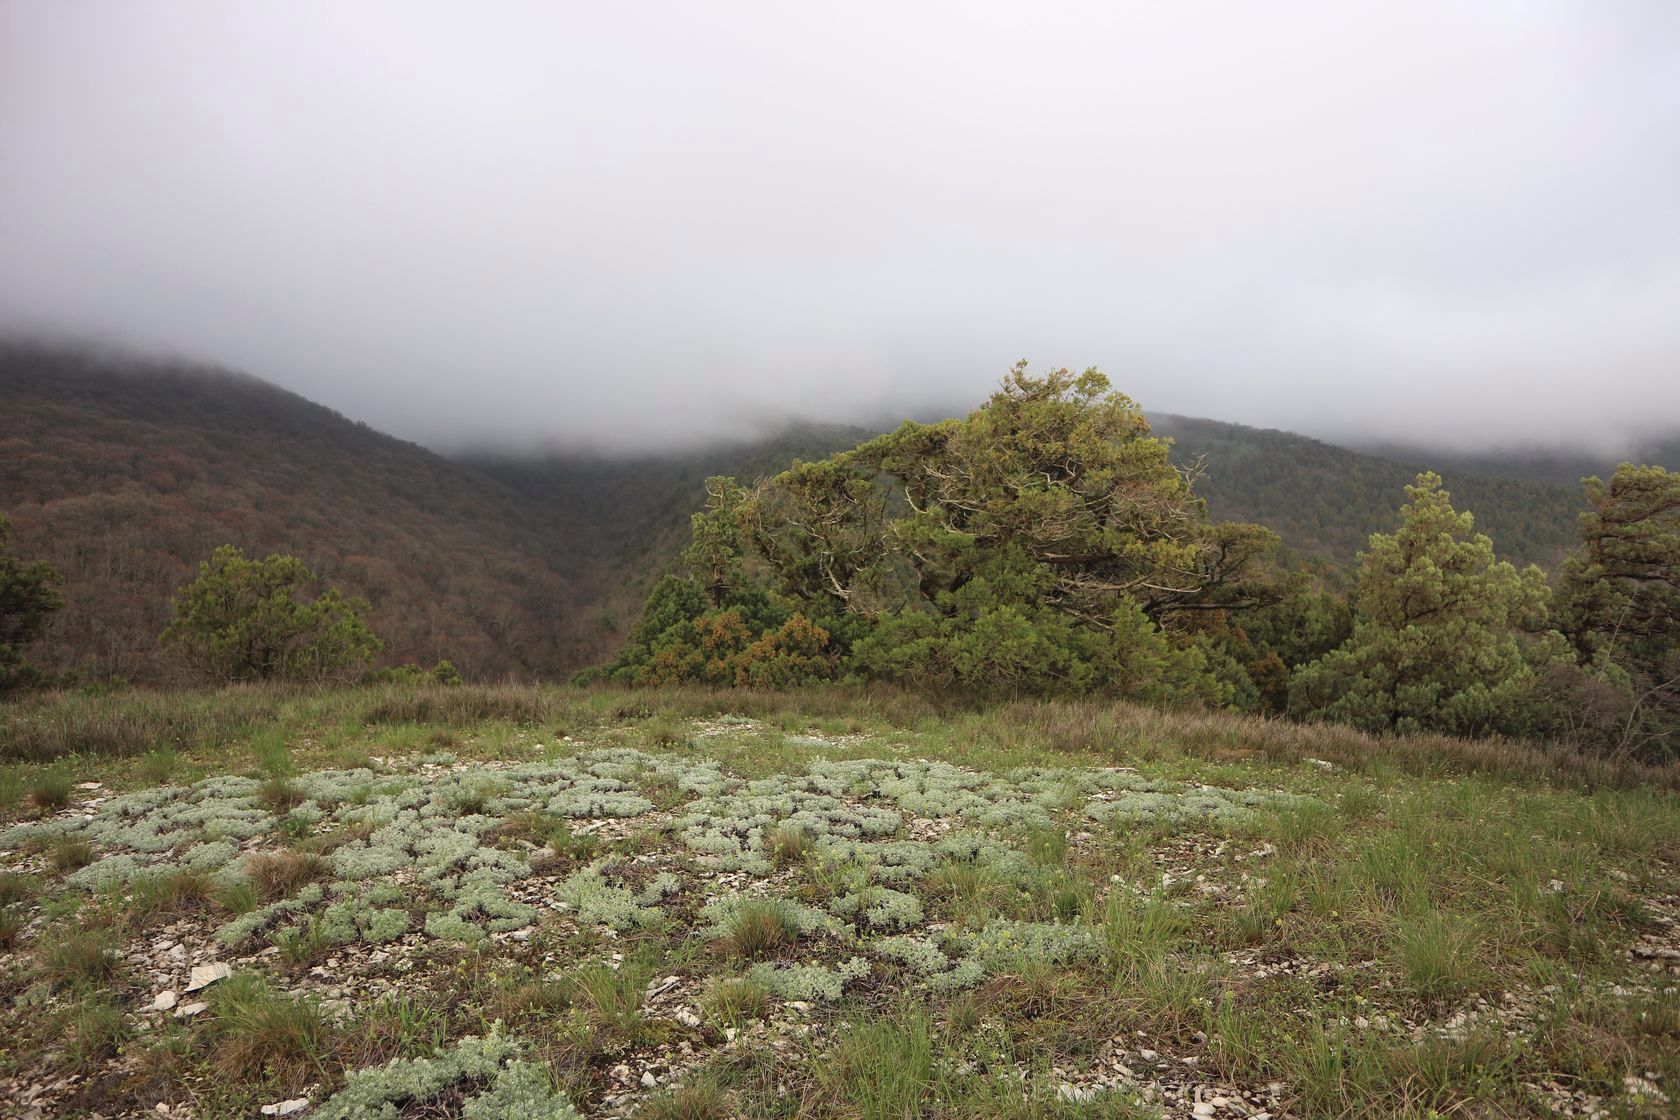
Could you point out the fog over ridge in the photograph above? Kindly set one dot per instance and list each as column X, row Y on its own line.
column 528, row 225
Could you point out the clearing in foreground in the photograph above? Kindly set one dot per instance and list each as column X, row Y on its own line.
column 378, row 903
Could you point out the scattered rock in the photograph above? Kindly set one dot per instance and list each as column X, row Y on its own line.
column 204, row 975
column 188, row 1010
column 163, row 1001
column 286, row 1108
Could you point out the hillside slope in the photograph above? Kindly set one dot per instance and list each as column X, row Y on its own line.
column 1326, row 501
column 125, row 475
column 1538, row 464
column 637, row 509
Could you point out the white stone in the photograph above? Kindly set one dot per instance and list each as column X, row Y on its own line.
column 188, row 1010
column 204, row 975
column 649, row 1081
column 286, row 1108
column 163, row 1001
column 1202, row 1108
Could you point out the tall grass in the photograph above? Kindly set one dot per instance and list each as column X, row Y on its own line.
column 139, row 722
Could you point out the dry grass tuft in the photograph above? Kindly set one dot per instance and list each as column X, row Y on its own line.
column 277, row 875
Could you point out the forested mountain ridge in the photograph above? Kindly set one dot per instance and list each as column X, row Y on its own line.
column 125, row 474
column 1326, row 501
column 636, row 509
column 1537, row 464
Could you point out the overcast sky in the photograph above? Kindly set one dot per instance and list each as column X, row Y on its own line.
column 651, row 223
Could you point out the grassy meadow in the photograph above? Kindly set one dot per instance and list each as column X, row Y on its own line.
column 426, row 901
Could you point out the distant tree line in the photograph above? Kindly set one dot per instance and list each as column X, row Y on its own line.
column 1046, row 545
column 240, row 620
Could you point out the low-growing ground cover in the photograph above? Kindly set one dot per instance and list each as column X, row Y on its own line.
column 641, row 904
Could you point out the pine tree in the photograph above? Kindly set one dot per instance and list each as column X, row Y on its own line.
column 1619, row 603
column 251, row 620
column 1442, row 632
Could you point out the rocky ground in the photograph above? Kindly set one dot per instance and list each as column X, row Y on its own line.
column 1107, row 941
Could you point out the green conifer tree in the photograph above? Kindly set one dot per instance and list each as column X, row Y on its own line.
column 253, row 620
column 1445, row 637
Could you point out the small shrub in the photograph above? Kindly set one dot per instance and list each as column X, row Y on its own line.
column 578, row 846
column 238, row 898
column 71, row 853
column 788, row 844
column 277, row 875
column 1139, row 930
column 884, row 1068
column 15, row 887
column 294, row 827
column 280, row 794
column 157, row 765
column 668, row 734
column 12, row 921
column 474, row 796
column 79, row 955
column 163, row 896
column 758, row 928
column 735, row 1000
column 1047, row 847
column 259, row 1031
column 970, row 892
column 93, row 1030
column 302, row 944
column 1437, row 954
column 610, row 999
column 705, row 1099
column 50, row 791
column 475, row 1080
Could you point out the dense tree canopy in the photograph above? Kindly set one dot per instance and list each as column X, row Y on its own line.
column 1044, row 543
column 245, row 620
column 29, row 594
column 1619, row 601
